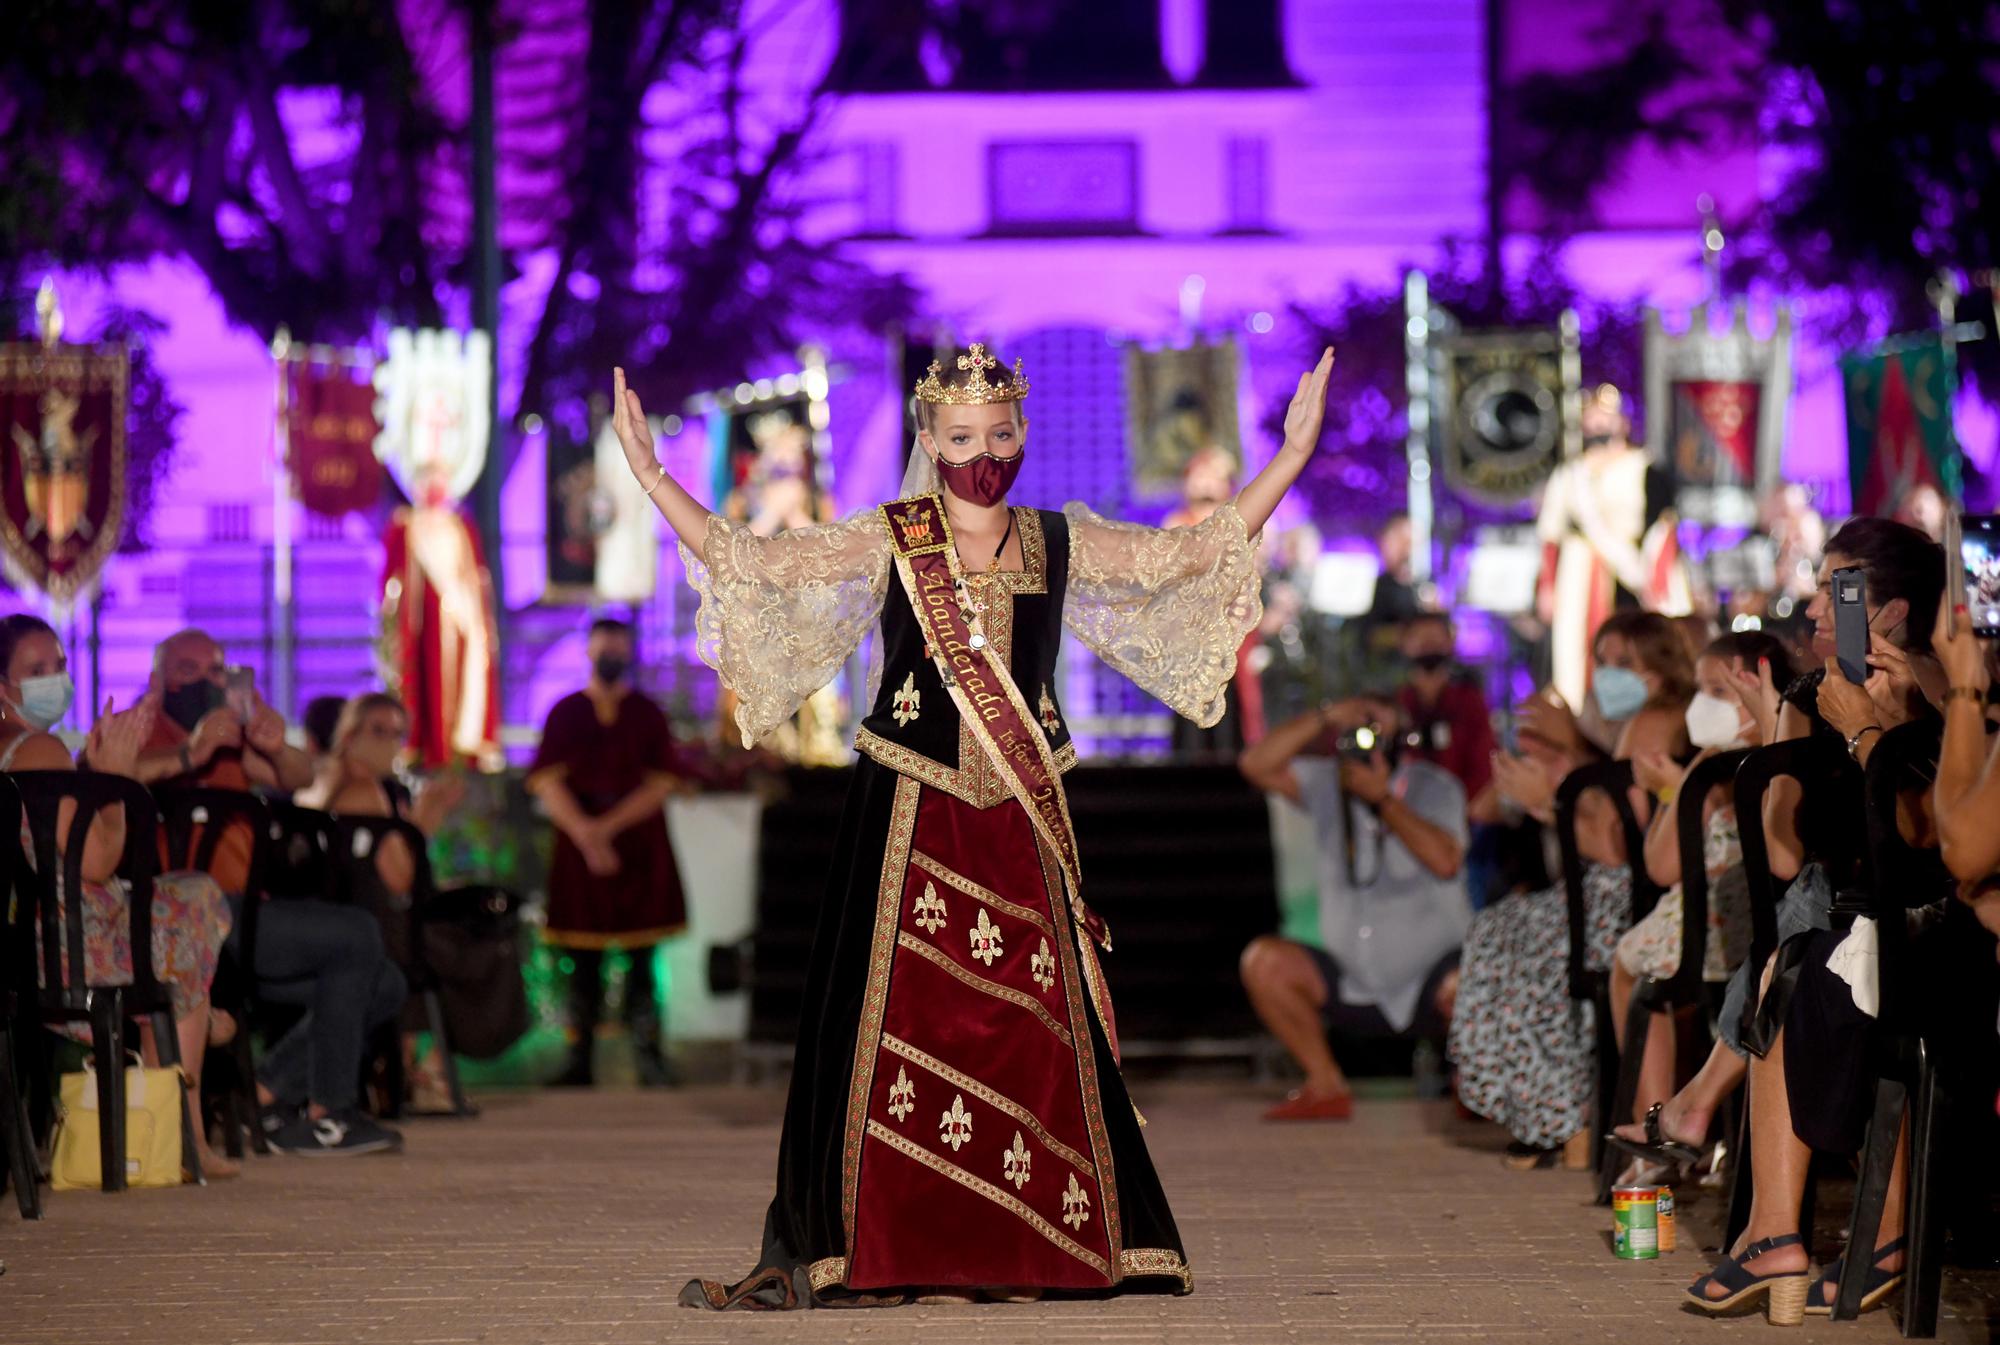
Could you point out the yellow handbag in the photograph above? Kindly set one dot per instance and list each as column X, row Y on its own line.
column 152, row 1130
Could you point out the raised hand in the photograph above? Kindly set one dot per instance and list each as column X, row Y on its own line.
column 1960, row 652
column 265, row 729
column 628, row 422
column 1759, row 697
column 1307, row 412
column 1845, row 706
column 218, row 730
column 119, row 736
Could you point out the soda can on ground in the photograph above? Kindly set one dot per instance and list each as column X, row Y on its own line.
column 1635, row 1223
column 1663, row 1204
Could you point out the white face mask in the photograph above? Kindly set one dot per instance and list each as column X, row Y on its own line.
column 45, row 700
column 1713, row 722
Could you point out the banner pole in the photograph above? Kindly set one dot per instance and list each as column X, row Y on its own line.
column 283, row 651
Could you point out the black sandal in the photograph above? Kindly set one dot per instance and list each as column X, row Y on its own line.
column 1784, row 1293
column 1658, row 1147
column 1881, row 1283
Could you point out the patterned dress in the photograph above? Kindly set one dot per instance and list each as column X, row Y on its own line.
column 191, row 920
column 1523, row 1047
column 1652, row 947
column 956, row 1114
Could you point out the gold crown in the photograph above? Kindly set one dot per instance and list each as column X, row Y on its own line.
column 976, row 390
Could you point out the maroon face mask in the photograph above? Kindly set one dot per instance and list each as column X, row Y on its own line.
column 984, row 480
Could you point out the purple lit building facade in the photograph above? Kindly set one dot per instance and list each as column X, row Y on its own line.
column 1148, row 170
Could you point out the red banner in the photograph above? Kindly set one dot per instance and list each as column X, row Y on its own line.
column 1715, row 433
column 62, row 472
column 330, row 428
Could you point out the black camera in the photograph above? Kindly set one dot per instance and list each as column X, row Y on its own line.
column 1358, row 744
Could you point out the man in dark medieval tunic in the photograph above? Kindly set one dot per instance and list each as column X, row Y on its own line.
column 603, row 771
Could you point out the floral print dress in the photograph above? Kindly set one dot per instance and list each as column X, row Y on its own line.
column 1522, row 1046
column 191, row 920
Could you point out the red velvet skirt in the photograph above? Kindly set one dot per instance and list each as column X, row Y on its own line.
column 956, row 1116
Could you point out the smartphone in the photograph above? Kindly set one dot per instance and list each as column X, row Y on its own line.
column 242, row 697
column 1979, row 574
column 1850, row 623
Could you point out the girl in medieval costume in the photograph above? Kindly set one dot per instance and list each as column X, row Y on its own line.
column 956, row 1121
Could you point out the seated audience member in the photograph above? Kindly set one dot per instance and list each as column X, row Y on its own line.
column 1810, row 1087
column 1815, row 839
column 1638, row 658
column 1730, row 676
column 321, row 956
column 354, row 778
column 1523, row 1053
column 190, row 918
column 1391, row 831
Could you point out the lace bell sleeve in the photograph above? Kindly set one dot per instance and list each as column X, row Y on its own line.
column 1167, row 607
column 780, row 615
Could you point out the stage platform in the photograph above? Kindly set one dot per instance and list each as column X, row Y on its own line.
column 574, row 1219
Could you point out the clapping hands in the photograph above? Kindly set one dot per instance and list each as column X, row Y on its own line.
column 120, row 735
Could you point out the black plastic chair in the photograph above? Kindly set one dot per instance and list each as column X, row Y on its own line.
column 194, row 821
column 1614, row 779
column 56, row 881
column 1901, row 877
column 357, row 841
column 17, row 968
column 1685, row 989
column 1821, row 759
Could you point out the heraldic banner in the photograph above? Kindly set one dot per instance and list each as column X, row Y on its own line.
column 1899, row 432
column 62, row 474
column 330, row 431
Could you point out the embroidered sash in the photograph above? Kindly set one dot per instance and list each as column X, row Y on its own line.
column 989, row 702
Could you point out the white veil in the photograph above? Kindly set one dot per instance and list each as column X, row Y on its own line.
column 920, row 476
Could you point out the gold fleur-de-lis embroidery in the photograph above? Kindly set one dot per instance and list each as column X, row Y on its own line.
column 902, row 1095
column 1014, row 1163
column 1051, row 721
column 955, row 1126
column 985, row 939
column 908, row 702
column 1076, row 1204
column 1042, row 966
column 930, row 910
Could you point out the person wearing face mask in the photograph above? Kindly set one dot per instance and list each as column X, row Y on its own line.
column 1637, row 659
column 323, row 957
column 1391, row 834
column 1728, row 678
column 1446, row 711
column 603, row 771
column 204, row 737
column 190, row 916
column 953, row 991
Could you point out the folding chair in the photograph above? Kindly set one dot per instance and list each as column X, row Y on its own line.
column 1685, row 988
column 1902, row 877
column 1588, row 987
column 67, row 995
column 357, row 842
column 194, row 821
column 17, row 968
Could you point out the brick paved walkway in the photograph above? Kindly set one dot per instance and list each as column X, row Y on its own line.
column 576, row 1219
